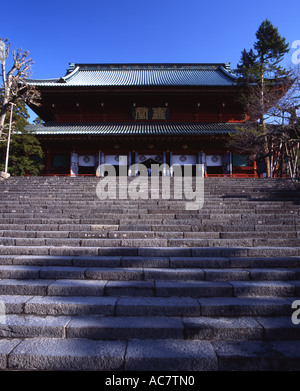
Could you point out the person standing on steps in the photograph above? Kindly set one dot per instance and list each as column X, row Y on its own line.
column 261, row 166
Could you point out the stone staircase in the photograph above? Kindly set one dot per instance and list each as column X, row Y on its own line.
column 146, row 284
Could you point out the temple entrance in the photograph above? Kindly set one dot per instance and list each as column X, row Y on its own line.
column 214, row 164
column 215, row 170
column 85, row 170
column 85, row 164
column 148, row 163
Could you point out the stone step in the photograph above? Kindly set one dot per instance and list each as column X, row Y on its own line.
column 224, row 186
column 162, row 327
column 147, row 306
column 193, row 260
column 37, row 209
column 59, row 198
column 211, row 206
column 141, row 273
column 293, row 243
column 147, row 225
column 91, row 197
column 151, row 251
column 224, row 288
column 135, row 209
column 210, row 258
column 148, row 355
column 92, row 327
column 13, row 229
column 100, row 211
column 159, row 288
column 147, row 234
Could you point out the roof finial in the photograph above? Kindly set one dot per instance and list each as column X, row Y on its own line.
column 71, row 67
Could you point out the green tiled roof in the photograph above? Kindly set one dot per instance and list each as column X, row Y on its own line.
column 132, row 128
column 82, row 75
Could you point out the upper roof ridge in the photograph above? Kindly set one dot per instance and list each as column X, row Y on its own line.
column 141, row 66
column 156, row 74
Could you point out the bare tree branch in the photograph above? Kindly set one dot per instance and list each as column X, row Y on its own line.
column 15, row 84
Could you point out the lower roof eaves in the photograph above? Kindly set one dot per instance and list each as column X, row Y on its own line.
column 132, row 128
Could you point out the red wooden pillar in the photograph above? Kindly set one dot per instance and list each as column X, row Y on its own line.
column 255, row 169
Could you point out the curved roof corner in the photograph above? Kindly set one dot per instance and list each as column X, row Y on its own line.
column 226, row 68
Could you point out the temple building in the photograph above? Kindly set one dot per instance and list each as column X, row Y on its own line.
column 122, row 114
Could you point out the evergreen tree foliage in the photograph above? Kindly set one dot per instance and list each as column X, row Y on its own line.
column 25, row 153
column 265, row 81
column 262, row 65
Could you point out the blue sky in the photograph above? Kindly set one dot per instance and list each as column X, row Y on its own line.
column 140, row 31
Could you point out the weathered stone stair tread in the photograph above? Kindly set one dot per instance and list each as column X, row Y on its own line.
column 184, row 261
column 260, row 251
column 143, row 273
column 147, row 306
column 194, row 260
column 148, row 355
column 130, row 327
column 276, row 237
column 67, row 287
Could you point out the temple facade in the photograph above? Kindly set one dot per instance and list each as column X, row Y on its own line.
column 124, row 114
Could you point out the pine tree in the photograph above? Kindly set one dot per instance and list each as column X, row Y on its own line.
column 265, row 80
